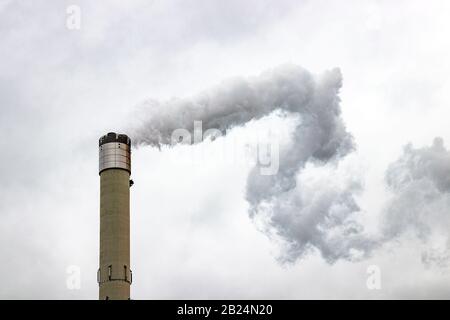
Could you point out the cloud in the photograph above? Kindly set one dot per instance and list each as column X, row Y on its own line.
column 61, row 90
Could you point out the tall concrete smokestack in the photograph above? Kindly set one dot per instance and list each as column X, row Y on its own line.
column 114, row 275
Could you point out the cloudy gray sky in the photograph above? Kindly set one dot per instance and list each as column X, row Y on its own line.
column 192, row 236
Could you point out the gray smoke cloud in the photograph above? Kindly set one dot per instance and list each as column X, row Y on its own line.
column 420, row 184
column 237, row 101
column 317, row 213
column 324, row 222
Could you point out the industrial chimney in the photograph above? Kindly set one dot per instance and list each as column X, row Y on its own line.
column 114, row 275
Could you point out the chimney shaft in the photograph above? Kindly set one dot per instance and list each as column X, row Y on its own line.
column 114, row 274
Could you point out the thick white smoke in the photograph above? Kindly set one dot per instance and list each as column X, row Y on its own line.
column 325, row 220
column 420, row 184
column 318, row 213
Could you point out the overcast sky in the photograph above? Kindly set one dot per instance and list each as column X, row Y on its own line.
column 191, row 234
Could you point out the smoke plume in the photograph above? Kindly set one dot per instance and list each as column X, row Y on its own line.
column 310, row 210
column 322, row 221
column 420, row 184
